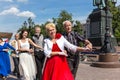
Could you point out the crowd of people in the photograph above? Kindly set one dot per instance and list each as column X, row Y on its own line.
column 53, row 58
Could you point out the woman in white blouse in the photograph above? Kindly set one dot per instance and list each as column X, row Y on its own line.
column 56, row 67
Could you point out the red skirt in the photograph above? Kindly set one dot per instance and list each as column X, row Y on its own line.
column 56, row 68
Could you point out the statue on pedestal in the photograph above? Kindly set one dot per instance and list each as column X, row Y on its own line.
column 99, row 3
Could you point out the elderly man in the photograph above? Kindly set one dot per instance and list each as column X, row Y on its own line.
column 39, row 54
column 74, row 38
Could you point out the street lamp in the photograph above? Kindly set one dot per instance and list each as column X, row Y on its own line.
column 108, row 47
column 103, row 5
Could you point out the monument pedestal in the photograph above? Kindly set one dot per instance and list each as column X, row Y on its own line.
column 107, row 60
column 96, row 29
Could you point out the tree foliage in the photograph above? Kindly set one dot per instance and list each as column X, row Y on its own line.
column 64, row 15
column 116, row 20
column 78, row 27
column 29, row 26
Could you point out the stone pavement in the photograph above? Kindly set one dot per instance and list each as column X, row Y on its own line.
column 87, row 72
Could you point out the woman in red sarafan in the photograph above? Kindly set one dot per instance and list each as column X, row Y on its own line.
column 56, row 66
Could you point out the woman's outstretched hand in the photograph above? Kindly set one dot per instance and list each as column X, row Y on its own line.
column 86, row 49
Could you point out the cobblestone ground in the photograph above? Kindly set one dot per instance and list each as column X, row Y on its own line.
column 87, row 72
column 11, row 77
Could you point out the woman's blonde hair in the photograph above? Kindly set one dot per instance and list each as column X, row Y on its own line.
column 49, row 25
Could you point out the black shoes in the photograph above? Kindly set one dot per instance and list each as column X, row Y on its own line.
column 16, row 74
column 3, row 77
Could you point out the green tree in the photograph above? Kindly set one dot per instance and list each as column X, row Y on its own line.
column 29, row 26
column 78, row 27
column 64, row 15
column 43, row 30
column 116, row 20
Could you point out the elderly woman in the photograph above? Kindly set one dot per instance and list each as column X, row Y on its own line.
column 56, row 67
column 5, row 68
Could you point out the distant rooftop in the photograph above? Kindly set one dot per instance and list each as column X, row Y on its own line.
column 5, row 35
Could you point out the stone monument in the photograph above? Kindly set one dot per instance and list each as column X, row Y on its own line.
column 101, row 26
column 98, row 24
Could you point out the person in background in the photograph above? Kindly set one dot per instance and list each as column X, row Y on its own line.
column 74, row 38
column 39, row 54
column 15, row 56
column 56, row 66
column 5, row 67
column 26, row 56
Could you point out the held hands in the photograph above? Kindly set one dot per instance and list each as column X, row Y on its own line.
column 86, row 49
column 63, row 53
column 89, row 46
column 42, row 49
column 6, row 50
column 15, row 51
column 31, row 51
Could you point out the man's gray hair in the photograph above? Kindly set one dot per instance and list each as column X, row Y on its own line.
column 65, row 22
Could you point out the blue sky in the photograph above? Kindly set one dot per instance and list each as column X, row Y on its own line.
column 14, row 12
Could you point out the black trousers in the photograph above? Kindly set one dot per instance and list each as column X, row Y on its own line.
column 39, row 58
column 16, row 65
column 73, row 62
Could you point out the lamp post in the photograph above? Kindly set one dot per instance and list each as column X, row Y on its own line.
column 108, row 47
column 108, row 58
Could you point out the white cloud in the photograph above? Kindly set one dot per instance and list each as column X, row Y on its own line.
column 22, row 0
column 6, row 0
column 50, row 20
column 26, row 14
column 12, row 10
column 15, row 11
